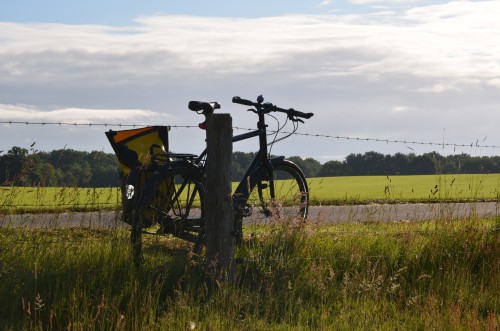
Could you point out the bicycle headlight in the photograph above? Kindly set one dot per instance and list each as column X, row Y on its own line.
column 129, row 191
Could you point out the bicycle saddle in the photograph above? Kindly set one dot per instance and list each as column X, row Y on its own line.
column 203, row 107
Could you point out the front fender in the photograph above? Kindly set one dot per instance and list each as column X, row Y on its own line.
column 276, row 160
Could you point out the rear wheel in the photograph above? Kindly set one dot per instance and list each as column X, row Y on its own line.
column 280, row 195
column 171, row 203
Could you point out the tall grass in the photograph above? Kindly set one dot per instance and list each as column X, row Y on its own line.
column 428, row 275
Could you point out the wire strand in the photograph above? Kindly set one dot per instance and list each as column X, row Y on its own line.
column 315, row 135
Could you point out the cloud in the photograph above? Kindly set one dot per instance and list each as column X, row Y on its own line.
column 324, row 3
column 439, row 88
column 400, row 109
column 495, row 82
column 451, row 40
column 350, row 70
column 76, row 115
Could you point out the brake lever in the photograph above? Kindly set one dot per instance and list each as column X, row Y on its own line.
column 252, row 110
column 295, row 119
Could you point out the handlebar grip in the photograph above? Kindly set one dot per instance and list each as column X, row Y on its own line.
column 242, row 101
column 294, row 113
column 269, row 107
column 204, row 107
column 301, row 114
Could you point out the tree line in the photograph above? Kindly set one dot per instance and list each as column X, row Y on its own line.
column 63, row 167
column 376, row 164
column 67, row 167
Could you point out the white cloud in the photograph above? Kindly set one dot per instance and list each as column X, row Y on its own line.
column 439, row 88
column 400, row 109
column 326, row 158
column 451, row 40
column 348, row 69
column 495, row 82
column 76, row 115
column 324, row 3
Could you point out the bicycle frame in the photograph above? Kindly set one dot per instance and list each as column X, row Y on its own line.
column 260, row 165
column 188, row 170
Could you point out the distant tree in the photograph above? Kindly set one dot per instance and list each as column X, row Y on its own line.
column 104, row 169
column 438, row 160
column 374, row 163
column 309, row 166
column 331, row 169
column 423, row 165
column 397, row 164
column 240, row 162
column 494, row 164
column 44, row 174
column 314, row 166
column 355, row 165
column 12, row 163
column 66, row 167
column 473, row 165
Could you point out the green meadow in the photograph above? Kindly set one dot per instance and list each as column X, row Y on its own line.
column 439, row 274
column 57, row 199
column 323, row 191
column 395, row 189
column 433, row 275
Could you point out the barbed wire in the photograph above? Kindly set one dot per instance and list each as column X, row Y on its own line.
column 90, row 124
column 396, row 141
column 475, row 144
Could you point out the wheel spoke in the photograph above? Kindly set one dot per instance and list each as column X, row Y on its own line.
column 280, row 196
column 172, row 204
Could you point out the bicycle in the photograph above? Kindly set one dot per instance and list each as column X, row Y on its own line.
column 167, row 194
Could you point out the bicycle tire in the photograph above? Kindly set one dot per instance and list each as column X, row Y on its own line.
column 171, row 202
column 288, row 202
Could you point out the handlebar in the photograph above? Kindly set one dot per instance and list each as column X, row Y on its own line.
column 245, row 102
column 260, row 107
column 203, row 107
column 269, row 107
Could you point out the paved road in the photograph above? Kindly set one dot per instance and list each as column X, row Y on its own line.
column 326, row 214
column 405, row 212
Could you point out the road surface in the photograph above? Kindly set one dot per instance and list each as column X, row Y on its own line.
column 321, row 214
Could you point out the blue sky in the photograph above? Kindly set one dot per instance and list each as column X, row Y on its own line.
column 117, row 12
column 413, row 70
column 124, row 12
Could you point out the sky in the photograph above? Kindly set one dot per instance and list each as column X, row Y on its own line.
column 397, row 70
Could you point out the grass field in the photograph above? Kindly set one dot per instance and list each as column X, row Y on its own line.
column 56, row 199
column 436, row 275
column 391, row 189
column 324, row 191
column 440, row 274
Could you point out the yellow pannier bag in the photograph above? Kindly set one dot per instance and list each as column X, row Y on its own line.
column 137, row 146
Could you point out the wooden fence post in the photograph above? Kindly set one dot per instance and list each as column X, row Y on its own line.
column 219, row 213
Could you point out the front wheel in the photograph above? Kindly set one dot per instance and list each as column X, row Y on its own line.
column 170, row 203
column 279, row 195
